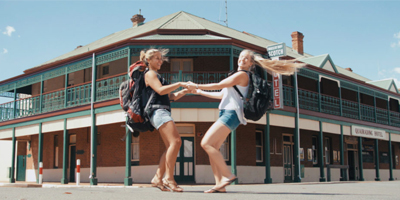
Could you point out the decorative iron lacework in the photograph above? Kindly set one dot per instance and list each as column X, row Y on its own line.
column 7, row 87
column 7, row 94
column 80, row 65
column 236, row 51
column 190, row 51
column 380, row 95
column 366, row 91
column 111, row 56
column 54, row 73
column 308, row 73
column 349, row 86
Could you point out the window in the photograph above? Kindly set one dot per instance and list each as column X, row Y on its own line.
column 186, row 65
column 259, row 146
column 225, row 149
column 135, row 152
column 315, row 150
column 327, row 150
column 105, row 70
column 56, row 151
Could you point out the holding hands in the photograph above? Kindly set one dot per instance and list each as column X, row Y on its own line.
column 192, row 87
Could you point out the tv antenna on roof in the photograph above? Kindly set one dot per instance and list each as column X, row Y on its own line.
column 226, row 13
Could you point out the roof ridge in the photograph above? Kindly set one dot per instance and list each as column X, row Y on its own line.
column 168, row 21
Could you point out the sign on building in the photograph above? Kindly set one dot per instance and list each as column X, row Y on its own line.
column 278, row 92
column 276, row 50
column 368, row 132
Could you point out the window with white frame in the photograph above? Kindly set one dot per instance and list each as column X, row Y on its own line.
column 259, row 146
column 135, row 152
column 225, row 149
column 327, row 150
column 315, row 150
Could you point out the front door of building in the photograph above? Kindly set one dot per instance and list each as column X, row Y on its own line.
column 353, row 165
column 72, row 163
column 184, row 167
column 288, row 157
column 21, row 167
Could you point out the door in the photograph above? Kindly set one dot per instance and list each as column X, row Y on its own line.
column 72, row 163
column 21, row 167
column 287, row 162
column 352, row 166
column 184, row 167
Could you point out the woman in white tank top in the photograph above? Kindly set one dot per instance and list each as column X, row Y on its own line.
column 231, row 110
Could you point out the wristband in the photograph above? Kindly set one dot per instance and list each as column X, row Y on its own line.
column 197, row 86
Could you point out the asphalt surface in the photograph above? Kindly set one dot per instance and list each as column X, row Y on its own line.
column 298, row 191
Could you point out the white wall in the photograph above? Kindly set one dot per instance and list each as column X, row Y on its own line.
column 5, row 159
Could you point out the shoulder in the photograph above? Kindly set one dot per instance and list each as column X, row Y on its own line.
column 150, row 74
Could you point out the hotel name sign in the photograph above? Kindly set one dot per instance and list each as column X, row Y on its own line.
column 368, row 132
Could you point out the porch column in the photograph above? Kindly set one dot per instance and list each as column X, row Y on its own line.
column 15, row 103
column 267, row 157
column 65, row 88
column 321, row 153
column 390, row 159
column 128, row 178
column 64, row 179
column 359, row 103
column 342, row 171
column 360, row 159
column 12, row 172
column 41, row 94
column 319, row 96
column 296, row 135
column 40, row 150
column 93, row 130
column 377, row 161
column 340, row 101
column 375, row 116
column 233, row 133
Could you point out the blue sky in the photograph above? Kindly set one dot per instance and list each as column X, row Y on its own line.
column 362, row 35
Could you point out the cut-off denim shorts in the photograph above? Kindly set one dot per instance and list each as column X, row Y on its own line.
column 160, row 117
column 229, row 118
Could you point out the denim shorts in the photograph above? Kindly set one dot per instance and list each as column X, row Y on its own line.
column 229, row 118
column 160, row 117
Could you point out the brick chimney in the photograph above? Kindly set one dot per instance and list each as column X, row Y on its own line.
column 137, row 19
column 297, row 42
column 349, row 69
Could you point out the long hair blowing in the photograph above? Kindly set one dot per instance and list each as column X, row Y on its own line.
column 284, row 67
column 146, row 55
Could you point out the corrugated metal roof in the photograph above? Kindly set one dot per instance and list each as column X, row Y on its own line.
column 385, row 84
column 316, row 60
column 181, row 37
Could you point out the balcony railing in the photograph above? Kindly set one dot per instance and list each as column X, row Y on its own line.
column 108, row 88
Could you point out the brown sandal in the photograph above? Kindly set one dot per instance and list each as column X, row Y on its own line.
column 172, row 185
column 159, row 185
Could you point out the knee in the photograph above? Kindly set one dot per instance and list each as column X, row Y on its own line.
column 177, row 142
column 205, row 145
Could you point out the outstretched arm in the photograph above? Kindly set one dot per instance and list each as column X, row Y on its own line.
column 239, row 78
column 177, row 95
column 152, row 80
column 213, row 95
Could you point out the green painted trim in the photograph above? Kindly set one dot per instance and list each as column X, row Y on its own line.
column 296, row 134
column 342, row 171
column 12, row 172
column 376, row 147
column 187, row 50
column 128, row 155
column 194, row 104
column 112, row 55
column 108, row 109
column 40, row 150
column 64, row 179
column 321, row 162
column 390, row 159
column 233, row 156
column 267, row 156
column 360, row 160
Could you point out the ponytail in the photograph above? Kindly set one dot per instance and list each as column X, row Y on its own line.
column 142, row 56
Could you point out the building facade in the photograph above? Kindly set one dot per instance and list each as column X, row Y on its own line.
column 334, row 125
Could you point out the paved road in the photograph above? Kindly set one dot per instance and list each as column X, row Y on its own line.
column 342, row 191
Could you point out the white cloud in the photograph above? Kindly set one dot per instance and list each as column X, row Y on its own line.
column 5, row 51
column 9, row 30
column 393, row 45
column 397, row 35
column 397, row 70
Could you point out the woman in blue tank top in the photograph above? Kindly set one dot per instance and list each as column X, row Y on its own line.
column 231, row 110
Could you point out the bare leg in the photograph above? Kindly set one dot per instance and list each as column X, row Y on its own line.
column 173, row 143
column 211, row 143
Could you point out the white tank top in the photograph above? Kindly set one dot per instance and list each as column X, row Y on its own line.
column 231, row 101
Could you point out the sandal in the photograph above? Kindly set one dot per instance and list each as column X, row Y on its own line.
column 226, row 182
column 159, row 185
column 212, row 190
column 171, row 185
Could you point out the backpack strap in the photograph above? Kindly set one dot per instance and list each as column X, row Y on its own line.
column 237, row 90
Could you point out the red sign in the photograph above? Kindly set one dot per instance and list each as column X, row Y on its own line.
column 278, row 97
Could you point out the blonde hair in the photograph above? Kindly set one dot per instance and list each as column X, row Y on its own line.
column 284, row 67
column 146, row 55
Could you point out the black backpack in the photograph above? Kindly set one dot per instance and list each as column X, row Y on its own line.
column 133, row 99
column 259, row 96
